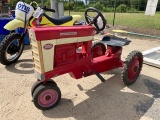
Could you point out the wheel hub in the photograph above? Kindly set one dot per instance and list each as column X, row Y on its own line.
column 133, row 69
column 136, row 68
column 12, row 49
column 48, row 97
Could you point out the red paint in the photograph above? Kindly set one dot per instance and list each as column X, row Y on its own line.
column 48, row 46
column 64, row 54
column 47, row 98
column 77, row 62
column 133, row 69
column 98, row 51
column 58, row 32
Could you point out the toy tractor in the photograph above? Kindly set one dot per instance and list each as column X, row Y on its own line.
column 59, row 50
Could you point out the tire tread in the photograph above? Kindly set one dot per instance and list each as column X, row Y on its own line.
column 3, row 46
column 127, row 62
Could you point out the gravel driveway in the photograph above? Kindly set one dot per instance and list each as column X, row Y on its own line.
column 86, row 98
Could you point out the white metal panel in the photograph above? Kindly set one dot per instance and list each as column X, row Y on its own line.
column 152, row 57
column 151, row 7
column 86, row 38
column 48, row 55
column 66, row 40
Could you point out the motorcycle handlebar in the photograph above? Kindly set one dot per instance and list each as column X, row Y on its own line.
column 48, row 9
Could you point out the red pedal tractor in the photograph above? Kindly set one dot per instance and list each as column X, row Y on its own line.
column 60, row 50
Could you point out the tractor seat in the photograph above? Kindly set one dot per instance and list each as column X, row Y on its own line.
column 115, row 41
column 59, row 21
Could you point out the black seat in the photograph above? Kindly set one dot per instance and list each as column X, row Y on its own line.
column 115, row 41
column 59, row 21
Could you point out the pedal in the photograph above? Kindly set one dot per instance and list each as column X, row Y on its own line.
column 99, row 76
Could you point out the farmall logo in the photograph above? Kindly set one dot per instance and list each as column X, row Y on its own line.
column 48, row 46
column 68, row 33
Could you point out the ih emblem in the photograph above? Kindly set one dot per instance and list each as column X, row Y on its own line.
column 47, row 46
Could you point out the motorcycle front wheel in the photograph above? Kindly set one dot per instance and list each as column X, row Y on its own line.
column 11, row 49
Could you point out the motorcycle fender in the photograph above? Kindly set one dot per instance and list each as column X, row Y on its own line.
column 14, row 24
column 74, row 18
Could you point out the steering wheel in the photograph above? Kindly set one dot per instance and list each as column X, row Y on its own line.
column 98, row 21
column 34, row 4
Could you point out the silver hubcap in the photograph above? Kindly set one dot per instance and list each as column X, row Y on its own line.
column 11, row 57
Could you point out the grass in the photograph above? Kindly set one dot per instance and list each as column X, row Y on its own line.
column 132, row 20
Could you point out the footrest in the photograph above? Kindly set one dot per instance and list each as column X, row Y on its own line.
column 99, row 76
column 115, row 41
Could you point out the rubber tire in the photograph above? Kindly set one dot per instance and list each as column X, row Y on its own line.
column 97, row 44
column 4, row 44
column 38, row 83
column 40, row 89
column 127, row 63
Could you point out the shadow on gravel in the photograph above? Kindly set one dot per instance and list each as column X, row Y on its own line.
column 110, row 100
column 27, row 47
column 24, row 66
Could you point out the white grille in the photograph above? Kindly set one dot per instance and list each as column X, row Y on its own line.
column 36, row 52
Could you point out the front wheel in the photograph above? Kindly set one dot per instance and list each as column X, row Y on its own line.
column 47, row 96
column 11, row 49
column 132, row 67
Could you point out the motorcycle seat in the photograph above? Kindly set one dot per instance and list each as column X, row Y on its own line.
column 59, row 21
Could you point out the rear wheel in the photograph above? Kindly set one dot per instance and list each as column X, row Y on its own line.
column 98, row 49
column 46, row 97
column 132, row 67
column 11, row 49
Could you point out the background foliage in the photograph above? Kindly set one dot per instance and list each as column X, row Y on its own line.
column 130, row 12
column 103, row 5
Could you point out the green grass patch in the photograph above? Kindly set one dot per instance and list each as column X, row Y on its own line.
column 133, row 20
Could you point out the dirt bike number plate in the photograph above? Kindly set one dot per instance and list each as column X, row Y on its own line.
column 38, row 12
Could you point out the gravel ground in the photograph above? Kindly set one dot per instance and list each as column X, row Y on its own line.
column 86, row 98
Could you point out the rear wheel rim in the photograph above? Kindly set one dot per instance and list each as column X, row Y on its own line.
column 47, row 98
column 97, row 51
column 134, row 69
column 11, row 57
